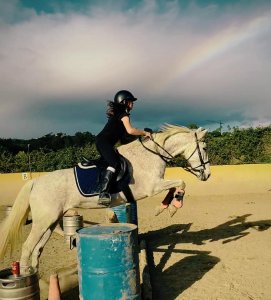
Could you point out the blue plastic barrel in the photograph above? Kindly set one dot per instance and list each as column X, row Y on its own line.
column 108, row 262
column 133, row 210
column 126, row 213
column 123, row 212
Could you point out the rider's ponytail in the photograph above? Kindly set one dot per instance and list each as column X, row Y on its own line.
column 114, row 108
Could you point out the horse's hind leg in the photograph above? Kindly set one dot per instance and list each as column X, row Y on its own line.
column 39, row 235
column 39, row 247
column 32, row 240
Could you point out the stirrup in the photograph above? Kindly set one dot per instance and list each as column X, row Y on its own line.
column 104, row 199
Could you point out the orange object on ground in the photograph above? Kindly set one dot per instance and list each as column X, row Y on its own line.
column 54, row 288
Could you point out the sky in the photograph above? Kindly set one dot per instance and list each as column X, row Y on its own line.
column 201, row 62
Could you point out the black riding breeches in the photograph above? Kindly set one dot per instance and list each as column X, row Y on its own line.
column 108, row 153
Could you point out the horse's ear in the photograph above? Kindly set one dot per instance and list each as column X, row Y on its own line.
column 201, row 133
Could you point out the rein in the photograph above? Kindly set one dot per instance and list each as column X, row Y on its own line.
column 163, row 157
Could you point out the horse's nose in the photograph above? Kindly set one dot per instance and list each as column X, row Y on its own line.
column 206, row 176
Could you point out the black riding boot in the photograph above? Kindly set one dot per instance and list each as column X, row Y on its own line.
column 104, row 197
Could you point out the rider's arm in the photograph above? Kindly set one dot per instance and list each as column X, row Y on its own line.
column 131, row 130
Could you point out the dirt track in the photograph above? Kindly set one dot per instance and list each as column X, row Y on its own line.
column 216, row 247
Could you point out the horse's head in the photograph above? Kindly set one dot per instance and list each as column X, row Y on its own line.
column 197, row 156
column 173, row 140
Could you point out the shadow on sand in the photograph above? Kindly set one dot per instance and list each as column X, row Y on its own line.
column 171, row 282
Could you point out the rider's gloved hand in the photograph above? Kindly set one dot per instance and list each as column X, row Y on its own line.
column 148, row 130
column 148, row 133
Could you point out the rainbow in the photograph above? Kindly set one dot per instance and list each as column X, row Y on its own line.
column 214, row 47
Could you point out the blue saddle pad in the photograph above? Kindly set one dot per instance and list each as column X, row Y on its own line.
column 87, row 179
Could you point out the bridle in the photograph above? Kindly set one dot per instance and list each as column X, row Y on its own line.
column 166, row 159
column 202, row 164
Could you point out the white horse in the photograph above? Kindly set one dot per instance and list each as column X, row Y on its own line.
column 50, row 196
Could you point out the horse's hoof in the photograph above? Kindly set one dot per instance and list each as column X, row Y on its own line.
column 172, row 210
column 26, row 270
column 158, row 210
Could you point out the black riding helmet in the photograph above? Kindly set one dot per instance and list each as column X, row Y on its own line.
column 122, row 96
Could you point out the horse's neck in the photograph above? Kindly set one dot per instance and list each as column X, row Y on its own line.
column 177, row 144
column 173, row 146
column 142, row 155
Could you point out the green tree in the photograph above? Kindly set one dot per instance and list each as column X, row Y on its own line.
column 21, row 162
column 6, row 162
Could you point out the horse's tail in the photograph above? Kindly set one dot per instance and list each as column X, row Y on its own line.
column 10, row 229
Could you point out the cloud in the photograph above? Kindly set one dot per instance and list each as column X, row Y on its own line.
column 185, row 64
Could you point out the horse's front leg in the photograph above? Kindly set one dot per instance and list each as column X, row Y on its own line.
column 173, row 200
column 164, row 185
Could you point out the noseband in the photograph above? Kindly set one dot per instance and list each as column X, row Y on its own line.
column 170, row 156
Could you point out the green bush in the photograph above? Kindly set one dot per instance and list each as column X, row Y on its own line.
column 238, row 146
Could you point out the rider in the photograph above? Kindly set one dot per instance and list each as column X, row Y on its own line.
column 116, row 128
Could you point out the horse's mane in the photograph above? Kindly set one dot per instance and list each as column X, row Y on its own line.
column 161, row 136
column 168, row 130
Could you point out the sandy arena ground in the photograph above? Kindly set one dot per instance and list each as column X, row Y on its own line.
column 216, row 247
